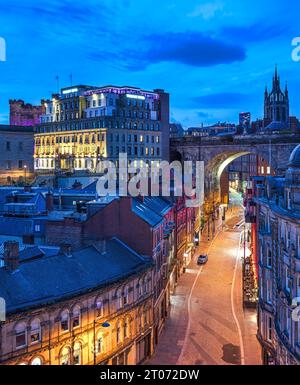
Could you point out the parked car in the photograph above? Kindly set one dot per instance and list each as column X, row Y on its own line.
column 202, row 259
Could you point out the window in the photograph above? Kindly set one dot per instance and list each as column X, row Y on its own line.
column 269, row 291
column 99, row 308
column 76, row 317
column 20, row 146
column 36, row 361
column 125, row 296
column 8, row 165
column 8, row 147
column 35, row 332
column 119, row 333
column 65, row 357
column 77, row 354
column 269, row 328
column 127, row 328
column 37, row 228
column 269, row 258
column 119, row 300
column 64, row 321
column 100, row 344
column 21, row 336
column 20, row 164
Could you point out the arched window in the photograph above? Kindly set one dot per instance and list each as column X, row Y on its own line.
column 127, row 328
column 119, row 333
column 140, row 288
column 35, row 331
column 36, row 361
column 21, row 335
column 145, row 286
column 65, row 357
column 99, row 308
column 126, row 296
column 77, row 354
column 76, row 317
column 64, row 321
column 119, row 299
column 100, row 348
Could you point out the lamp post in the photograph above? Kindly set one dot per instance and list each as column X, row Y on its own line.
column 103, row 325
column 25, row 173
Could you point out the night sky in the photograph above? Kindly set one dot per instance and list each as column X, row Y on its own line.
column 214, row 57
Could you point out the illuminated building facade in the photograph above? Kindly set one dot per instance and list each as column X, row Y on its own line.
column 84, row 125
column 278, row 250
column 105, row 317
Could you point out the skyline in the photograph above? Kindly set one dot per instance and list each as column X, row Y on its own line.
column 106, row 45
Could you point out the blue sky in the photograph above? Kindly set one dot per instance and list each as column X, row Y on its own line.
column 214, row 57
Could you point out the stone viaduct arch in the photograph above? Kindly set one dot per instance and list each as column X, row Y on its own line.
column 218, row 153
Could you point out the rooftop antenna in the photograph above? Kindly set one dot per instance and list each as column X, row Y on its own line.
column 71, row 79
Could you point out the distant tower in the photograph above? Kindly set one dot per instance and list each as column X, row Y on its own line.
column 277, row 107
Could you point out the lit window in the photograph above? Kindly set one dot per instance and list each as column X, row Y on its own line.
column 77, row 354
column 65, row 356
column 99, row 308
column 36, row 361
column 35, row 332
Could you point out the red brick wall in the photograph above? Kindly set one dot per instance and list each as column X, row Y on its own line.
column 66, row 232
column 115, row 220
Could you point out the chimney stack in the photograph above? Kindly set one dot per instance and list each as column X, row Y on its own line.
column 11, row 255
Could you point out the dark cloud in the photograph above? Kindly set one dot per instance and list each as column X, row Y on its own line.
column 222, row 100
column 190, row 48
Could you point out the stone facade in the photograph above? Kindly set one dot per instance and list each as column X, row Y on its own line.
column 73, row 332
column 24, row 114
column 278, row 249
column 16, row 153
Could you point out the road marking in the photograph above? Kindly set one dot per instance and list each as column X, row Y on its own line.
column 232, row 304
column 186, row 337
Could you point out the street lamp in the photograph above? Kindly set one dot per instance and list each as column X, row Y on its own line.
column 25, row 172
column 103, row 325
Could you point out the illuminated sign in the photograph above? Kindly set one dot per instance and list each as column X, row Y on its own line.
column 131, row 96
column 70, row 91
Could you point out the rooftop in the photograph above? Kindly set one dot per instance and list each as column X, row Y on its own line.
column 50, row 278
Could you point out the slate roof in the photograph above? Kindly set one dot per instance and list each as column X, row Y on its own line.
column 146, row 213
column 49, row 279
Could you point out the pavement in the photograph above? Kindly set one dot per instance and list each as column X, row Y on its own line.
column 207, row 323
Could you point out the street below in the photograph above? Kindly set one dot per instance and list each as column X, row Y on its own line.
column 207, row 324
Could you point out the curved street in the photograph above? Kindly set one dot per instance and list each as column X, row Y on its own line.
column 207, row 323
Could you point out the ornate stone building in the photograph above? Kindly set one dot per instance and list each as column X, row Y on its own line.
column 84, row 124
column 84, row 307
column 278, row 215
